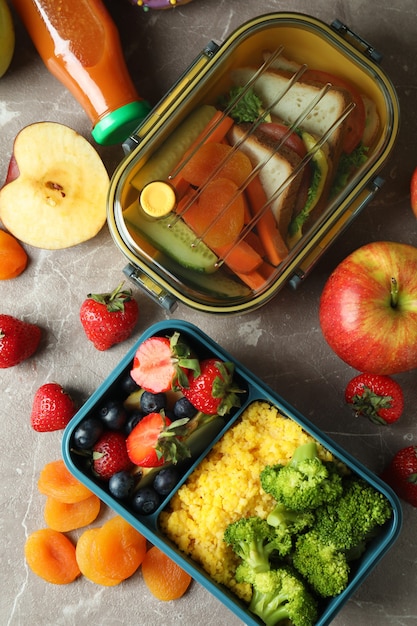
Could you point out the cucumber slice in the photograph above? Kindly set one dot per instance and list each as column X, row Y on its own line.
column 175, row 239
column 173, row 149
column 218, row 285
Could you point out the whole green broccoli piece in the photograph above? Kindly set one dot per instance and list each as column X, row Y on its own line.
column 255, row 541
column 305, row 482
column 351, row 521
column 323, row 566
column 339, row 535
column 278, row 595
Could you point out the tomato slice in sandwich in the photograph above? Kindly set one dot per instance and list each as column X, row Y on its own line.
column 357, row 117
column 277, row 132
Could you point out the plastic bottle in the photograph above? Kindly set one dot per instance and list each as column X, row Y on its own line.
column 80, row 45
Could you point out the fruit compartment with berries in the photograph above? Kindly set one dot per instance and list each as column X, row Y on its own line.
column 154, row 421
column 139, row 435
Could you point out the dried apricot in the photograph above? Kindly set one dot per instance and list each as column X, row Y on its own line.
column 57, row 481
column 164, row 578
column 51, row 555
column 13, row 258
column 214, row 159
column 64, row 517
column 119, row 549
column 85, row 554
column 217, row 216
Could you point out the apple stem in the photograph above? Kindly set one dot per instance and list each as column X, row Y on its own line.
column 394, row 292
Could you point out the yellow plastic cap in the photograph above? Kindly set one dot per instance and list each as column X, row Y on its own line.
column 158, row 198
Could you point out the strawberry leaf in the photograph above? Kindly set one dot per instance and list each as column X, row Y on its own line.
column 184, row 361
column 114, row 301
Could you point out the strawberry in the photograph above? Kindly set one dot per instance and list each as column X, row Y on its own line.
column 401, row 474
column 156, row 440
column 378, row 397
column 110, row 455
column 162, row 363
column 109, row 318
column 413, row 191
column 18, row 340
column 52, row 408
column 212, row 391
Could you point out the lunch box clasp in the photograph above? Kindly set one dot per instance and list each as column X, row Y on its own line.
column 355, row 40
column 151, row 288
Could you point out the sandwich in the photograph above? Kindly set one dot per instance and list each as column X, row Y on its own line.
column 300, row 112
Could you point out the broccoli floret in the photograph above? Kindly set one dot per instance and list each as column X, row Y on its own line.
column 244, row 573
column 280, row 595
column 354, row 518
column 288, row 521
column 305, row 482
column 324, row 567
column 254, row 541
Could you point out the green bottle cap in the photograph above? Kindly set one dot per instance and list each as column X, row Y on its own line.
column 118, row 125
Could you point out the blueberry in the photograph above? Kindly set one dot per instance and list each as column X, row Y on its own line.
column 165, row 480
column 183, row 408
column 128, row 385
column 145, row 501
column 113, row 415
column 132, row 420
column 88, row 433
column 121, row 485
column 153, row 402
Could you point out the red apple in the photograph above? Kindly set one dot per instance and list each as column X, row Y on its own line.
column 368, row 308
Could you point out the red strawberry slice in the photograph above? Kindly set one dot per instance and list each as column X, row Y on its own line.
column 153, row 366
column 52, row 408
column 110, row 455
column 161, row 363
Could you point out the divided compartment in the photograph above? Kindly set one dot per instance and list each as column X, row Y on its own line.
column 306, row 41
column 255, row 390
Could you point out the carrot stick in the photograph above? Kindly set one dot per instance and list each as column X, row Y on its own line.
column 215, row 131
column 248, row 215
column 240, row 257
column 256, row 280
column 272, row 240
column 252, row 238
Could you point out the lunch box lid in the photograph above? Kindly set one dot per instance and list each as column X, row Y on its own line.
column 350, row 51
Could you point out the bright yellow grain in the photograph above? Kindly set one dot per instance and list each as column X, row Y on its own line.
column 226, row 486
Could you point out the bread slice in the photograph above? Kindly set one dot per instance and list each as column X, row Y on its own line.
column 372, row 127
column 274, row 173
column 300, row 95
column 372, row 124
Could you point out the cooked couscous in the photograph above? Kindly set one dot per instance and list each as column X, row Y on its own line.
column 226, row 486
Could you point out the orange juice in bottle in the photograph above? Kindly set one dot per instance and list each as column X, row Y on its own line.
column 80, row 45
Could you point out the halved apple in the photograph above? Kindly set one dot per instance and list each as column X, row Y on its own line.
column 56, row 188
